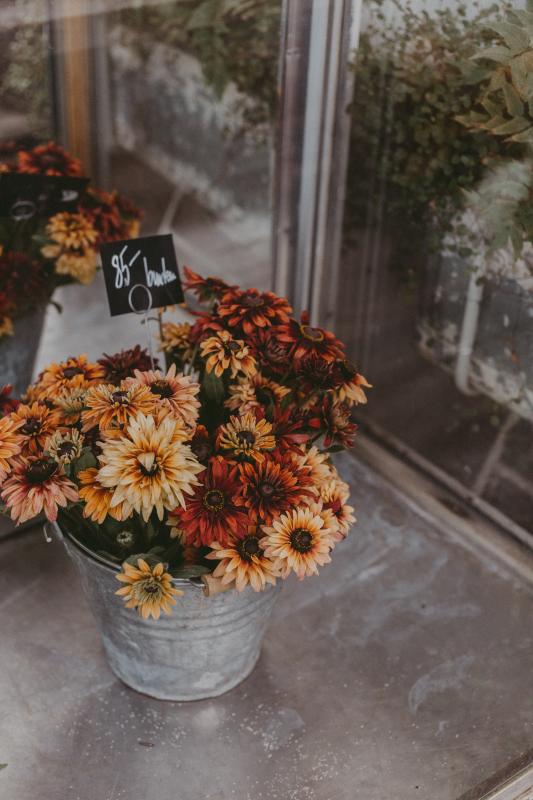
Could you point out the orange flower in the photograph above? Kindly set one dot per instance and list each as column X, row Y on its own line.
column 176, row 393
column 223, row 352
column 270, row 488
column 36, row 485
column 97, row 499
column 74, row 373
column 252, row 309
column 242, row 562
column 351, row 389
column 36, row 424
column 299, row 542
column 10, row 444
column 148, row 590
column 49, row 159
column 254, row 392
column 108, row 407
column 247, row 437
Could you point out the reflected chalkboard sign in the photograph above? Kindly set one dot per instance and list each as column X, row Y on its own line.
column 141, row 274
column 24, row 195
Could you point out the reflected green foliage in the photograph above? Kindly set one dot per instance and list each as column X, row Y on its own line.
column 422, row 141
column 25, row 70
column 235, row 41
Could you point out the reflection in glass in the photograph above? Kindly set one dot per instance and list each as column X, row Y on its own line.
column 438, row 238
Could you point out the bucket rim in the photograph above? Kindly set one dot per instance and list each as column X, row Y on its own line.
column 105, row 563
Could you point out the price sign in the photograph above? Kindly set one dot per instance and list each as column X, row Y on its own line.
column 141, row 274
column 25, row 195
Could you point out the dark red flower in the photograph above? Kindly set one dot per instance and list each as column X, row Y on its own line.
column 272, row 487
column 306, row 340
column 49, row 159
column 251, row 309
column 214, row 513
column 24, row 282
column 123, row 365
column 205, row 326
column 7, row 403
column 202, row 445
column 205, row 289
column 333, row 420
column 287, row 426
column 315, row 374
column 269, row 352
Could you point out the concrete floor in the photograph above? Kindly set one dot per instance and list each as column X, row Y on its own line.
column 403, row 671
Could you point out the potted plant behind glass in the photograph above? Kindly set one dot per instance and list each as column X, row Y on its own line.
column 48, row 250
column 179, row 484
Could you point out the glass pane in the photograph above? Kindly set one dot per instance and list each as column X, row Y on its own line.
column 437, row 264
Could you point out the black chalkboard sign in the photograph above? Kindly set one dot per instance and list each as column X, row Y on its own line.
column 141, row 274
column 24, row 195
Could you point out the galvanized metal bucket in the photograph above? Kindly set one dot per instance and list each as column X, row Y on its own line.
column 204, row 648
column 18, row 352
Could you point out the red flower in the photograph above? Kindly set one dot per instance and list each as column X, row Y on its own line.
column 271, row 487
column 205, row 289
column 306, row 340
column 287, row 427
column 214, row 512
column 7, row 403
column 49, row 159
column 269, row 352
column 252, row 309
column 333, row 420
column 23, row 281
column 123, row 365
column 315, row 374
column 201, row 444
column 107, row 212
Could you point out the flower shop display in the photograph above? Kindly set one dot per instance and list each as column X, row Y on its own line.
column 186, row 494
column 48, row 250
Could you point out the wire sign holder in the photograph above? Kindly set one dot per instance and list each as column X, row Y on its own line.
column 140, row 275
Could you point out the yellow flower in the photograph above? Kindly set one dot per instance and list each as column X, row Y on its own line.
column 108, row 406
column 249, row 393
column 72, row 231
column 6, row 326
column 79, row 265
column 148, row 590
column 148, row 466
column 10, row 444
column 246, row 436
column 299, row 542
column 97, row 499
column 176, row 393
column 64, row 447
column 175, row 336
column 224, row 352
column 243, row 562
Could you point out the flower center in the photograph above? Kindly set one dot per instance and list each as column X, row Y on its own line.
column 348, row 369
column 266, row 489
column 301, row 540
column 201, row 450
column 65, row 449
column 31, row 427
column 125, row 539
column 246, row 438
column 70, row 372
column 253, row 301
column 214, row 500
column 161, row 388
column 313, row 334
column 151, row 470
column 40, row 470
column 249, row 547
column 151, row 586
column 120, row 398
column 232, row 347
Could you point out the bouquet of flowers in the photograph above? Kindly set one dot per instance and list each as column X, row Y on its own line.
column 49, row 250
column 217, row 467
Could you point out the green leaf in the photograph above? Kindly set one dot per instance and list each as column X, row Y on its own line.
column 214, row 388
column 86, row 460
column 514, row 36
column 190, row 571
column 511, row 126
column 515, row 106
column 497, row 53
column 151, row 559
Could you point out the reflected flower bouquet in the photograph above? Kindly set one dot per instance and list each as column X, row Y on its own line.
column 49, row 250
column 217, row 467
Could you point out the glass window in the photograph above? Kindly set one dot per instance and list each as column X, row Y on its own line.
column 436, row 271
